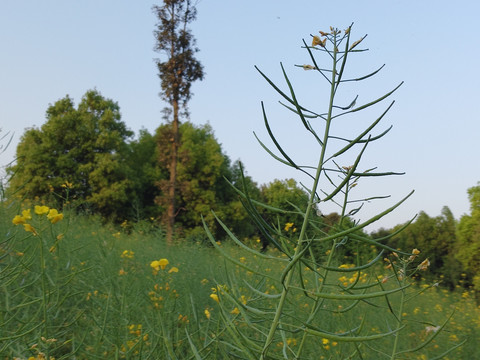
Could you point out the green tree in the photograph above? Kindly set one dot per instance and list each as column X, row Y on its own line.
column 468, row 238
column 348, row 250
column 201, row 173
column 177, row 73
column 84, row 147
column 143, row 161
column 242, row 226
column 435, row 238
column 286, row 195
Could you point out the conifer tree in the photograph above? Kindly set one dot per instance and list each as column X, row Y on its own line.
column 177, row 71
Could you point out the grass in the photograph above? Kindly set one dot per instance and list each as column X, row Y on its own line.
column 83, row 290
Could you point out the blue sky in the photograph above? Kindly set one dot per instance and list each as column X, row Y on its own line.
column 51, row 48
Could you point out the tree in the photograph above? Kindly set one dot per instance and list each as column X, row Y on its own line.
column 435, row 238
column 82, row 149
column 468, row 239
column 176, row 73
column 286, row 195
column 201, row 172
column 143, row 161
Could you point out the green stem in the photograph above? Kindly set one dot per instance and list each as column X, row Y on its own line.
column 311, row 202
column 318, row 300
column 44, row 291
column 400, row 315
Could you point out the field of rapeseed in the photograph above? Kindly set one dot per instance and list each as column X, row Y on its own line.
column 74, row 288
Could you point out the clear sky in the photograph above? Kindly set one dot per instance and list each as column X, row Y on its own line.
column 52, row 48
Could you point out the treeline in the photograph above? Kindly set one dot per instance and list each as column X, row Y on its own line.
column 452, row 247
column 86, row 156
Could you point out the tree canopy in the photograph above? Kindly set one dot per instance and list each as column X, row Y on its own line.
column 77, row 148
column 468, row 237
column 435, row 238
column 85, row 156
column 202, row 174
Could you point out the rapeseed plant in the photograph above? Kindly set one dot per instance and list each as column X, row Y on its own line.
column 328, row 295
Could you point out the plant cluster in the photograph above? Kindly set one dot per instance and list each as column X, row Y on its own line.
column 72, row 286
column 117, row 294
column 329, row 290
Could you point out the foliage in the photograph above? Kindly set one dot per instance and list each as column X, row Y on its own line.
column 107, row 296
column 142, row 160
column 176, row 74
column 285, row 195
column 436, row 237
column 349, row 250
column 340, row 298
column 202, row 172
column 468, row 235
column 80, row 148
column 177, row 43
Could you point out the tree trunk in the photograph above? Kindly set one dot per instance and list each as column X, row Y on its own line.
column 173, row 176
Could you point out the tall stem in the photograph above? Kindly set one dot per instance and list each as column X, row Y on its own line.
column 173, row 175
column 400, row 315
column 311, row 202
column 44, row 291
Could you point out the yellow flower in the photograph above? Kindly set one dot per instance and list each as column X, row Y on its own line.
column 26, row 214
column 207, row 314
column 30, row 228
column 183, row 319
column 159, row 264
column 415, row 252
column 325, row 341
column 215, row 297
column 67, row 185
column 127, row 254
column 163, row 263
column 424, row 265
column 54, row 216
column 41, row 210
column 288, row 226
column 173, row 269
column 235, row 311
column 317, row 41
column 17, row 220
column 453, row 337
